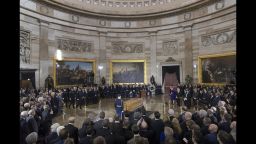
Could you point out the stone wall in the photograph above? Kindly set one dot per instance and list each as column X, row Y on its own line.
column 170, row 40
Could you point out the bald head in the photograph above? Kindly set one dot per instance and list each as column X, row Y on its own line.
column 32, row 112
column 233, row 125
column 71, row 119
column 188, row 116
column 213, row 128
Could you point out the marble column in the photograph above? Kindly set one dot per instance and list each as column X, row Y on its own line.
column 44, row 61
column 102, row 56
column 153, row 45
column 188, row 57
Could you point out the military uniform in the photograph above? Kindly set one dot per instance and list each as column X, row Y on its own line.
column 72, row 98
column 119, row 106
column 79, row 99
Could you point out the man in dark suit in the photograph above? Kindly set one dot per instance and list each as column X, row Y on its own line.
column 88, row 139
column 104, row 130
column 24, row 131
column 204, row 129
column 211, row 138
column 32, row 124
column 187, row 98
column 158, row 127
column 98, row 124
column 115, row 137
column 53, row 135
column 63, row 135
column 225, row 124
column 117, row 126
column 49, row 84
column 72, row 130
column 137, row 138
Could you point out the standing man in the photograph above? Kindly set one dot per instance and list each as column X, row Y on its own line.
column 119, row 106
column 72, row 130
column 187, row 98
column 49, row 83
column 79, row 98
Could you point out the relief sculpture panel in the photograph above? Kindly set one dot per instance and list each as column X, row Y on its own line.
column 218, row 38
column 126, row 47
column 25, row 50
column 170, row 47
column 74, row 45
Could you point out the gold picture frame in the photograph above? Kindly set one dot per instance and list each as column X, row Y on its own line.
column 127, row 61
column 93, row 61
column 220, row 59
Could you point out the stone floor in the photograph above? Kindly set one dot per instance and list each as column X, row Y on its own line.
column 156, row 103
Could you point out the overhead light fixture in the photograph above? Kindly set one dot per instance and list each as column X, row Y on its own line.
column 100, row 67
column 59, row 55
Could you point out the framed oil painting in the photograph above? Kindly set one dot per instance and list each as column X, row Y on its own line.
column 128, row 71
column 217, row 69
column 74, row 72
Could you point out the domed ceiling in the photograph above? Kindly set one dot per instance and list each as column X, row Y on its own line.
column 127, row 8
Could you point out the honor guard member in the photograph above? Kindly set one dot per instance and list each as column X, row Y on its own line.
column 173, row 95
column 89, row 99
column 119, row 106
column 72, row 98
column 79, row 98
column 65, row 97
column 95, row 95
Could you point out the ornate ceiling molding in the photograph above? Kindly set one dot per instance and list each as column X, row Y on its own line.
column 127, row 8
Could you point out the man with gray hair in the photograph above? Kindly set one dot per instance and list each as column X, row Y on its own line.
column 98, row 124
column 24, row 131
column 53, row 135
column 104, row 130
column 72, row 130
column 32, row 138
column 32, row 124
column 211, row 138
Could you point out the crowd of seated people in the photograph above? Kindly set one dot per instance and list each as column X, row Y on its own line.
column 210, row 124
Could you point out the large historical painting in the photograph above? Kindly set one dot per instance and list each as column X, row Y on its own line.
column 219, row 69
column 74, row 72
column 128, row 72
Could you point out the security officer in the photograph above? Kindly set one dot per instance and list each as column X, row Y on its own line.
column 119, row 106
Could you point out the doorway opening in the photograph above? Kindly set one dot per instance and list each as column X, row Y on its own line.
column 170, row 77
column 27, row 78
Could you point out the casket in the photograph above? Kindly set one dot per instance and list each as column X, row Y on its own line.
column 133, row 104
